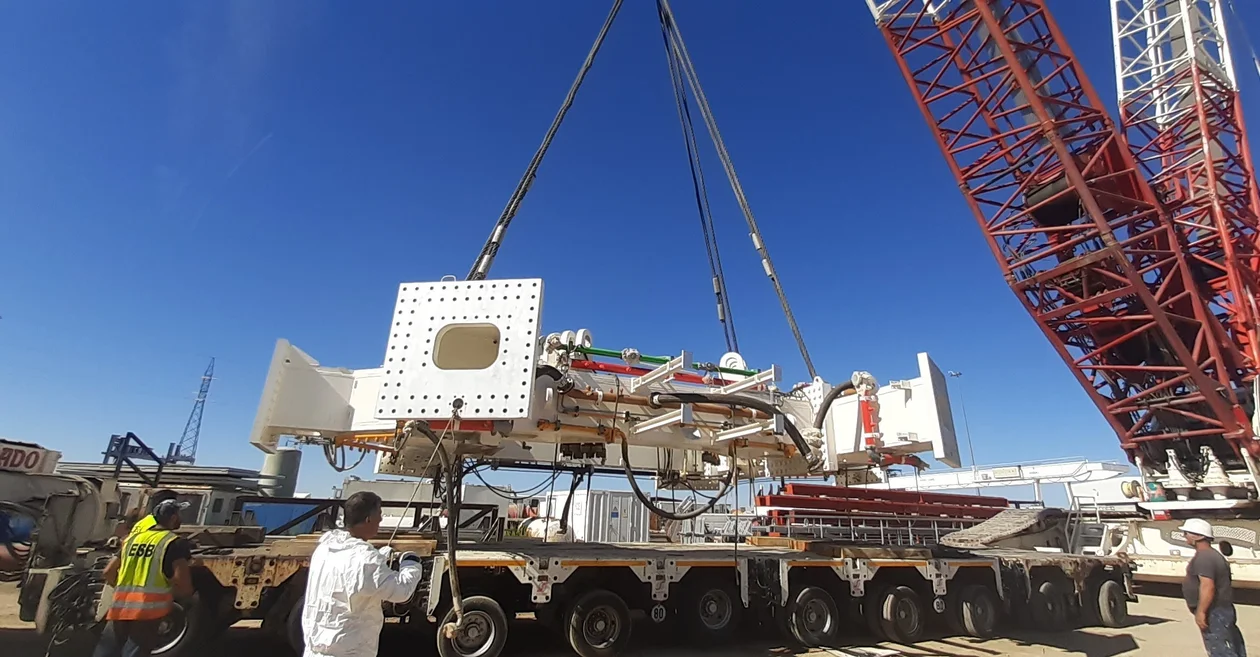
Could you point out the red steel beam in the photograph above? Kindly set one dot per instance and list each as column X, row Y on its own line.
column 627, row 370
column 778, row 517
column 876, row 494
column 801, row 502
column 1079, row 235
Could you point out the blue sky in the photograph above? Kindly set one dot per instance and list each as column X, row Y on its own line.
column 187, row 180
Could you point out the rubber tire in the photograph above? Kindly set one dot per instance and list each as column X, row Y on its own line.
column 199, row 629
column 953, row 613
column 293, row 628
column 809, row 639
column 1048, row 607
column 576, row 618
column 872, row 603
column 978, row 611
column 1113, row 604
column 688, row 614
column 781, row 617
column 482, row 606
column 889, row 621
column 549, row 615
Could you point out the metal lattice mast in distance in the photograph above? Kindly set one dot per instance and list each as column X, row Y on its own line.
column 185, row 451
column 1180, row 111
column 1079, row 234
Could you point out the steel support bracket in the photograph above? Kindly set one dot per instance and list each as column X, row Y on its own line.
column 774, row 426
column 771, row 375
column 683, row 416
column 662, row 373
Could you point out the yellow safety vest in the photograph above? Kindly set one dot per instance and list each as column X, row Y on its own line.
column 143, row 525
column 143, row 592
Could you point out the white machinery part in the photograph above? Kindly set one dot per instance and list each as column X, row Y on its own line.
column 914, row 415
column 1160, row 553
column 68, row 511
column 468, row 359
column 1020, row 474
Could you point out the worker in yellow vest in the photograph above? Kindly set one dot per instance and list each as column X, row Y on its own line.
column 147, row 522
column 147, row 574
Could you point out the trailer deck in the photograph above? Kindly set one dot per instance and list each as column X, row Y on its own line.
column 801, row 588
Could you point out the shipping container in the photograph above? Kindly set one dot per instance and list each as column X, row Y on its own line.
column 601, row 516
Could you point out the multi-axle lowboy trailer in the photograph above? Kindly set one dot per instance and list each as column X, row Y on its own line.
column 806, row 593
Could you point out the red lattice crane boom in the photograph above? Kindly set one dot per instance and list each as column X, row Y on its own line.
column 1181, row 114
column 1078, row 232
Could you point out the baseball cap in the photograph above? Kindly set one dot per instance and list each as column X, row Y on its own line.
column 167, row 508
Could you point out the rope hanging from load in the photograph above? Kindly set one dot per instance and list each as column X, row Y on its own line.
column 675, row 43
column 481, row 267
column 707, row 227
column 681, row 71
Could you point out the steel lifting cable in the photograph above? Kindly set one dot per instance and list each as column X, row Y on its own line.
column 1255, row 60
column 709, row 230
column 689, row 71
column 485, row 259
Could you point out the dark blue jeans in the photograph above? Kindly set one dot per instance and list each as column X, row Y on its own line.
column 128, row 639
column 1222, row 638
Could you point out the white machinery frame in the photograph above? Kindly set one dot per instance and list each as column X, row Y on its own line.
column 480, row 374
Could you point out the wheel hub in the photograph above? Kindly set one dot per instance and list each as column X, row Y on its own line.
column 715, row 609
column 171, row 630
column 600, row 627
column 476, row 635
column 814, row 616
column 907, row 614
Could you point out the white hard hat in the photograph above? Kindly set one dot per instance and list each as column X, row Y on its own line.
column 1198, row 526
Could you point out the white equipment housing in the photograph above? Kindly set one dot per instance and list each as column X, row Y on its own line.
column 68, row 511
column 469, row 359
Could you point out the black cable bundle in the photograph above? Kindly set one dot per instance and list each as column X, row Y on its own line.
column 72, row 609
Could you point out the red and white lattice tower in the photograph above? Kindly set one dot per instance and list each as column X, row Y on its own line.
column 1079, row 234
column 1180, row 112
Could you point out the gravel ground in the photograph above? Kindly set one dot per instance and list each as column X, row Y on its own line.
column 1160, row 626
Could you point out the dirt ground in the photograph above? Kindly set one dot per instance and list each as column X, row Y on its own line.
column 1160, row 626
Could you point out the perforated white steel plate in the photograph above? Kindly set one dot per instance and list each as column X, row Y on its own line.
column 475, row 341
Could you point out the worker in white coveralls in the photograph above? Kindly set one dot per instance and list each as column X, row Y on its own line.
column 348, row 581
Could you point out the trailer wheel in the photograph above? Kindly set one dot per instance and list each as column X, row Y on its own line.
column 815, row 619
column 710, row 611
column 1049, row 606
column 184, row 631
column 978, row 611
column 293, row 628
column 901, row 615
column 548, row 614
column 484, row 631
column 598, row 624
column 1113, row 604
column 781, row 616
column 872, row 605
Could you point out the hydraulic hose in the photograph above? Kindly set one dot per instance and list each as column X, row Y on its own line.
column 568, row 501
column 549, row 371
column 452, row 503
column 821, row 416
column 647, row 502
column 738, row 400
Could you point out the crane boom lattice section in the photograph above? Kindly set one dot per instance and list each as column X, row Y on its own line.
column 1079, row 234
column 1181, row 114
column 185, row 451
